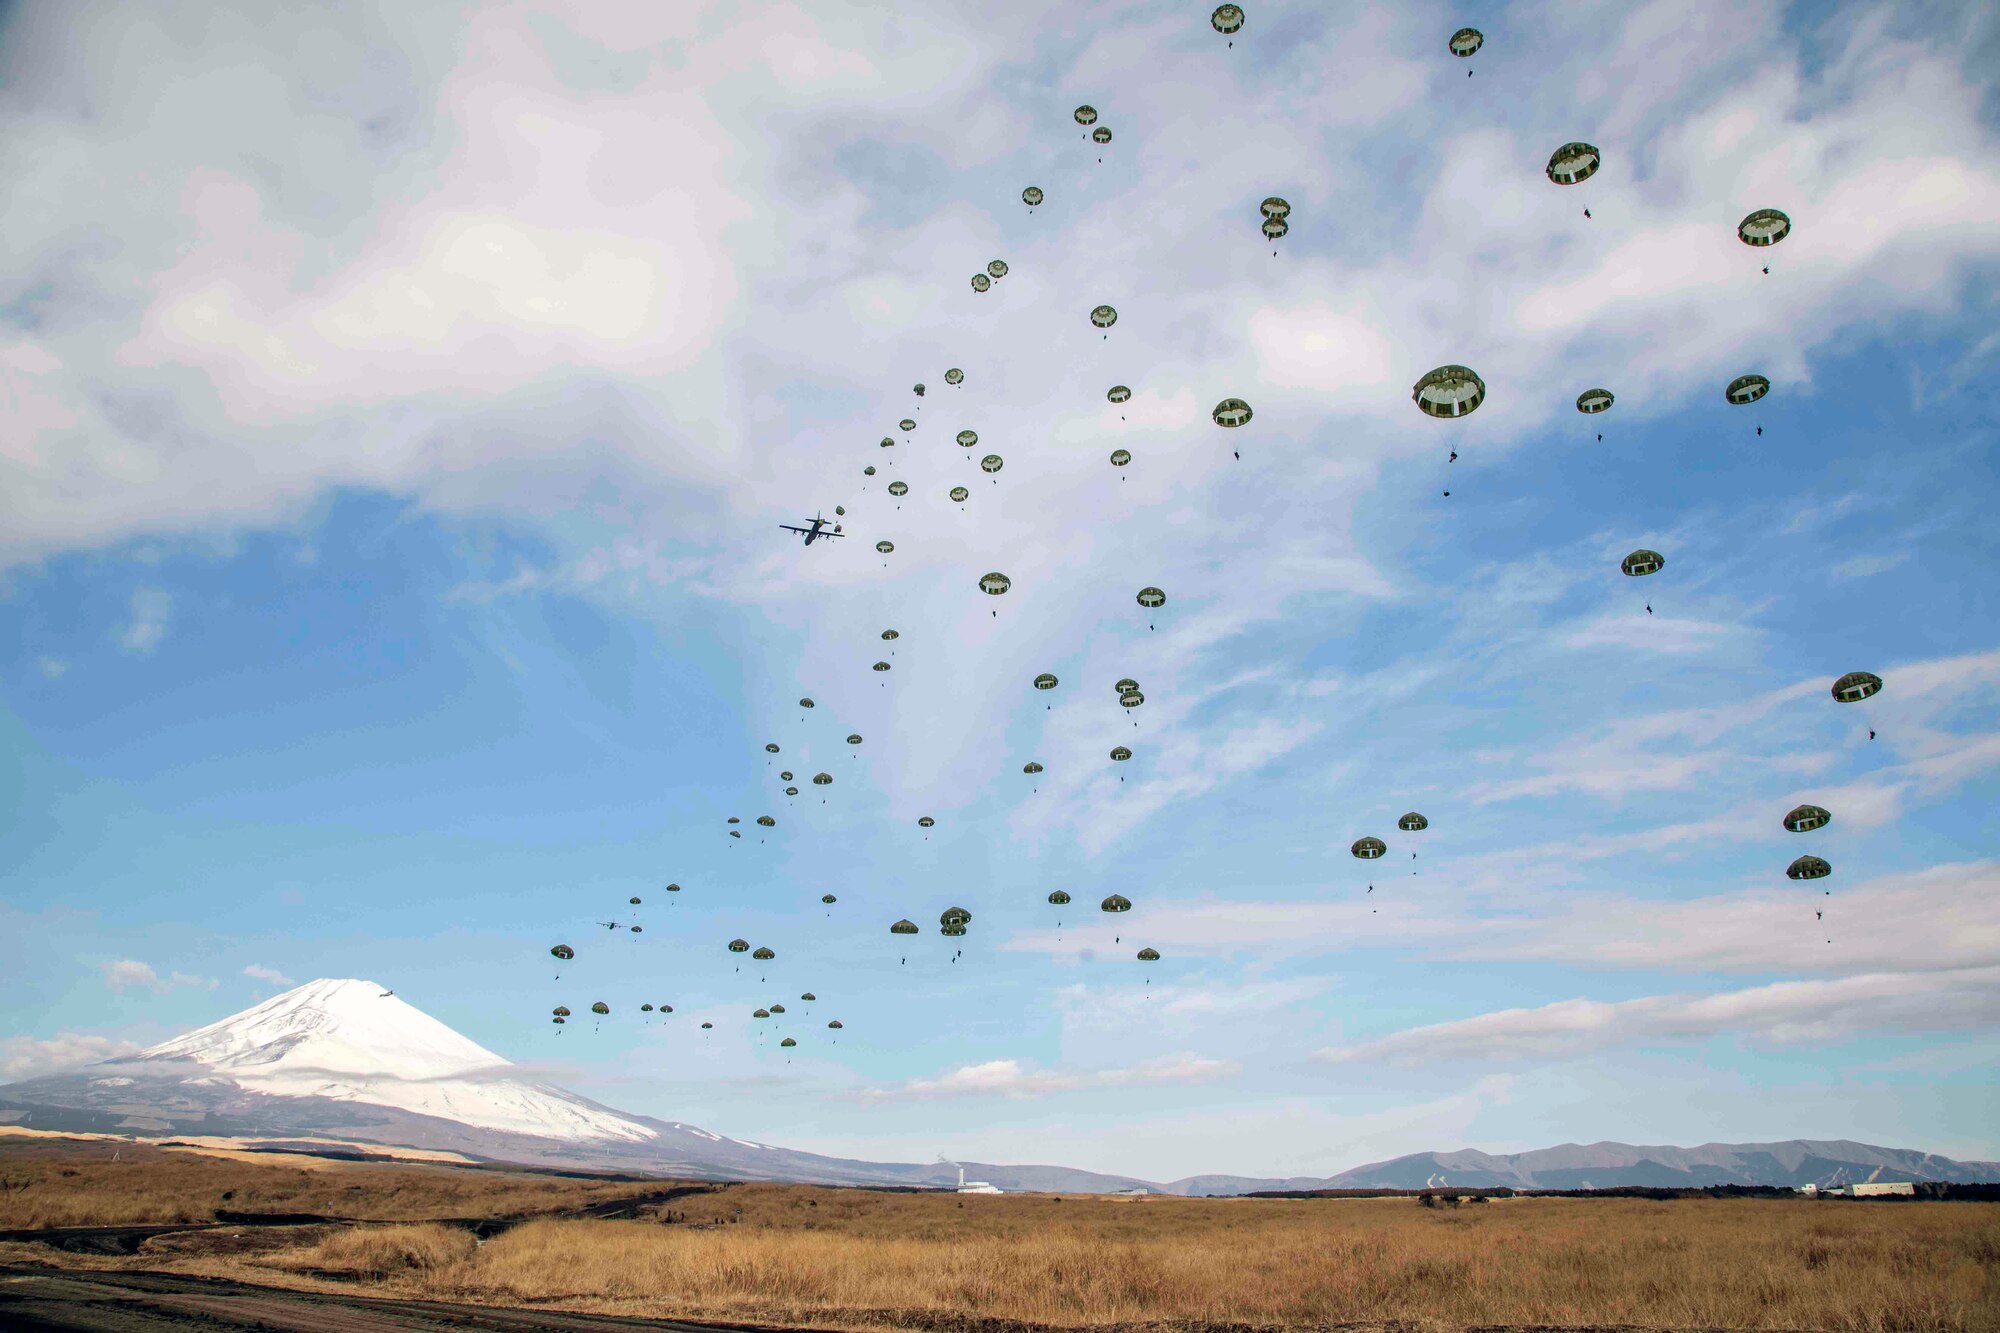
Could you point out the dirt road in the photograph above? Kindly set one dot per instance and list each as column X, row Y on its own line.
column 33, row 1300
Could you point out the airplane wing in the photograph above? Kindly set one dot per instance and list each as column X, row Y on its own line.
column 789, row 528
column 826, row 532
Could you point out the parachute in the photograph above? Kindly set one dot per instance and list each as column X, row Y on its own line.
column 1275, row 207
column 600, row 1008
column 1449, row 391
column 1466, row 41
column 1119, row 394
column 1045, row 681
column 1275, row 229
column 666, row 1009
column 997, row 268
column 954, row 376
column 888, row 443
column 1574, row 163
column 920, row 393
column 1031, row 767
column 1369, row 849
column 994, row 584
column 1747, row 389
column 1117, row 902
column 881, row 666
column 559, row 1019
column 834, row 1024
column 808, row 997
column 1806, row 818
column 992, row 463
column 952, row 929
column 1230, row 412
column 1227, row 19
column 788, row 1042
column 739, row 946
column 785, row 776
column 1642, row 562
column 899, row 489
column 771, row 747
column 767, row 821
column 1855, row 686
column 967, row 438
column 673, row 888
column 1808, row 867
column 1592, row 401
column 903, row 928
column 777, row 1008
column 637, row 929
column 1102, row 134
column 1413, row 823
column 1151, row 598
column 925, row 821
column 980, row 282
column 763, row 955
column 791, row 791
column 1103, row 316
column 906, row 425
column 564, row 952
column 760, row 1013
column 1131, row 699
column 854, row 738
column 1059, row 898
column 889, row 635
column 1149, row 955
column 708, row 1025
column 828, row 898
column 955, row 916
column 1119, row 754
column 1125, row 686
column 960, row 494
column 1085, row 115
column 645, row 1008
column 1031, row 196
column 885, row 547
column 633, row 901
column 868, row 471
column 1766, row 226
column 561, row 1011
column 806, row 702
column 822, row 779
column 1120, row 457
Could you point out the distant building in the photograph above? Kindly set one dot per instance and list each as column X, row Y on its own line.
column 975, row 1186
column 1878, row 1187
column 1136, row 1192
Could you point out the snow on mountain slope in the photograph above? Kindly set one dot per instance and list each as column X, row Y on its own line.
column 346, row 1040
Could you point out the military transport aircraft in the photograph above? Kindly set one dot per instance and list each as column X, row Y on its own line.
column 814, row 531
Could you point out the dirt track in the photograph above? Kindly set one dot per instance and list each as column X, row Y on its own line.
column 85, row 1302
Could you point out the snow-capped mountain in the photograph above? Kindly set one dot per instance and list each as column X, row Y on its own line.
column 351, row 1041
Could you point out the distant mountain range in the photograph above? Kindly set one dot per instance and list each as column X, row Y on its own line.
column 344, row 1060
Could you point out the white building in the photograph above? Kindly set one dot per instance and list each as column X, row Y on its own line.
column 1874, row 1187
column 975, row 1186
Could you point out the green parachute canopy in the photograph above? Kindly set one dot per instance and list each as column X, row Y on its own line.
column 1085, row 114
column 1117, row 902
column 645, row 1008
column 834, row 1024
column 890, row 635
column 925, row 821
column 906, row 425
column 828, row 898
column 1151, row 598
column 1120, row 457
column 1031, row 196
column 1125, row 686
column 992, row 463
column 1230, row 412
column 960, row 494
column 1766, row 226
column 1449, row 391
column 1149, row 955
column 1119, row 754
column 788, row 1042
column 1059, row 898
column 952, row 929
column 777, row 1008
column 562, row 1011
column 564, row 952
column 1102, row 134
column 1574, row 163
column 885, row 547
column 771, row 747
column 600, row 1008
column 1131, row 699
column 854, row 738
column 1806, row 818
column 967, row 438
column 995, row 583
column 1031, row 767
column 1227, row 19
column 1275, row 228
column 1368, row 849
column 899, row 488
column 1103, row 316
column 1592, row 401
column 1046, row 681
column 822, row 779
column 1746, row 389
column 881, row 666
column 764, row 955
column 1413, row 823
column 767, row 821
column 954, row 916
column 997, row 268
column 1119, row 394
column 1275, row 207
column 1642, row 562
column 1856, row 686
column 1467, row 40
column 903, row 928
column 1808, row 867
column 739, row 946
column 980, row 282
column 954, row 376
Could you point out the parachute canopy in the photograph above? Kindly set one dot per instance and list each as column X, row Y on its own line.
column 1125, row 686
column 1151, row 597
column 899, row 488
column 1085, row 114
column 1592, row 401
column 1413, row 823
column 777, row 1008
column 806, row 702
column 1574, row 162
column 952, row 929
column 1031, row 196
column 1275, row 229
column 1449, row 391
column 1642, row 562
column 767, row 821
column 1808, row 867
column 1131, row 699
column 925, row 821
column 881, row 666
column 789, row 1041
column 1230, row 412
column 1226, row 19
column 997, row 268
column 1369, row 849
column 903, row 928
column 600, row 1008
column 1120, row 457
column 561, row 1011
column 1119, row 754
column 1102, row 134
column 1059, row 898
column 764, row 955
column 1031, row 767
column 1103, row 316
column 1119, row 393
column 1467, row 40
column 1856, row 686
column 1117, row 902
column 885, row 547
column 1275, row 207
column 1747, row 389
column 992, row 463
column 854, row 738
column 835, row 1024
column 808, row 997
column 739, row 946
column 954, row 376
column 645, row 1008
column 995, row 583
column 1806, row 818
column 760, row 1013
column 906, row 425
column 1149, row 955
column 828, row 898
column 960, row 494
column 954, row 916
column 1766, row 226
column 980, row 282
column 564, row 952
column 967, row 438
column 1045, row 681
column 822, row 779
column 771, row 747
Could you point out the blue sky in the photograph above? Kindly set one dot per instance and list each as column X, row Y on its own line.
column 401, row 408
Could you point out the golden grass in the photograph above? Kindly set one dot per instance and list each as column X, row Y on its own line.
column 1755, row 1264
column 77, row 1183
column 381, row 1252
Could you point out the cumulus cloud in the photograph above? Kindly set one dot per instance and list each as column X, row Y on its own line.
column 129, row 973
column 270, row 975
column 1011, row 1078
column 33, row 1057
column 1786, row 1013
column 148, row 625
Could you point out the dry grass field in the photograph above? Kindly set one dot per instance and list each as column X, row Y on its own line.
column 860, row 1260
column 74, row 1183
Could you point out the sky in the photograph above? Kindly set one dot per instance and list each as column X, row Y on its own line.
column 401, row 404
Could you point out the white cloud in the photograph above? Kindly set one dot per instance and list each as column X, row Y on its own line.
column 1783, row 1013
column 149, row 621
column 33, row 1057
column 128, row 973
column 1010, row 1078
column 52, row 668
column 258, row 972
